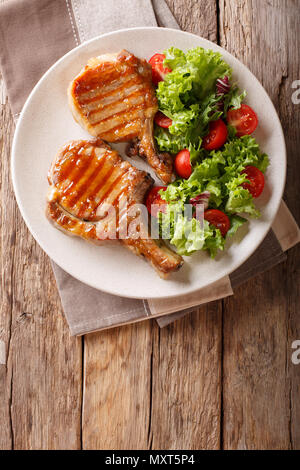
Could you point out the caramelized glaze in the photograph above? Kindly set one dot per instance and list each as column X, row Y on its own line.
column 113, row 98
column 87, row 174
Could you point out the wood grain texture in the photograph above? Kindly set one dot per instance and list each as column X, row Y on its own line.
column 290, row 118
column 164, row 417
column 40, row 384
column 196, row 16
column 117, row 388
column 203, row 382
column 186, row 390
column 261, row 386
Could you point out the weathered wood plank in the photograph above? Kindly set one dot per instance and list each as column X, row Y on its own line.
column 178, row 405
column 261, row 406
column 196, row 16
column 186, row 388
column 121, row 408
column 40, row 380
column 117, row 386
column 5, row 317
column 290, row 117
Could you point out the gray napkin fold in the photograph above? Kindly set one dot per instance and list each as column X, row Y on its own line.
column 33, row 35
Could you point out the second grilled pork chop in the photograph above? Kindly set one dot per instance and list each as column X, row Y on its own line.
column 113, row 98
column 85, row 177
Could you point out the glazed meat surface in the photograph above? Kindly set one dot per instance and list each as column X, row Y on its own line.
column 86, row 179
column 113, row 98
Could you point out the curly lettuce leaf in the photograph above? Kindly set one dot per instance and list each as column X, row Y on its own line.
column 194, row 75
column 219, row 173
column 214, row 241
column 189, row 235
column 188, row 97
column 240, row 200
column 233, row 99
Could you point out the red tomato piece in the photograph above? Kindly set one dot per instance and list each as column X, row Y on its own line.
column 154, row 202
column 243, row 119
column 182, row 164
column 218, row 219
column 217, row 135
column 256, row 178
column 158, row 70
column 161, row 120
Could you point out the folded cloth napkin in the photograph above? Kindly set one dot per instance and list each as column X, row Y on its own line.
column 33, row 35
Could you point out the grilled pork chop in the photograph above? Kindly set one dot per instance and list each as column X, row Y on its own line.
column 88, row 176
column 113, row 98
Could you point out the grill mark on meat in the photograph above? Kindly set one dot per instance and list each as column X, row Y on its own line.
column 75, row 175
column 111, row 197
column 90, row 79
column 103, row 173
column 118, row 187
column 113, row 98
column 123, row 117
column 122, row 131
column 116, row 107
column 67, row 165
column 86, row 179
column 105, row 184
column 110, row 97
column 105, row 89
column 106, row 174
column 65, row 169
column 114, row 184
column 105, row 180
column 118, row 96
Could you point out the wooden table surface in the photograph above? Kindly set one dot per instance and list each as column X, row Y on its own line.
column 220, row 378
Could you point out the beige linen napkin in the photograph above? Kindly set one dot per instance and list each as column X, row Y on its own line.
column 33, row 35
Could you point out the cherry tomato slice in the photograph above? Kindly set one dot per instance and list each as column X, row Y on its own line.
column 182, row 164
column 257, row 180
column 218, row 219
column 162, row 120
column 158, row 70
column 217, row 135
column 243, row 119
column 154, row 202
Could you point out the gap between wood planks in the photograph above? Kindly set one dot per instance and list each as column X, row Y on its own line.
column 150, row 431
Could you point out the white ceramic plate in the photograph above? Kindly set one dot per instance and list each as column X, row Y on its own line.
column 46, row 124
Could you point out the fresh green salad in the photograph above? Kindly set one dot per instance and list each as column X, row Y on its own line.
column 203, row 122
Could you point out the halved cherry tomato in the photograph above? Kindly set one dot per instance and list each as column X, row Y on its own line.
column 257, row 180
column 162, row 120
column 158, row 70
column 218, row 219
column 243, row 119
column 182, row 164
column 217, row 135
column 154, row 202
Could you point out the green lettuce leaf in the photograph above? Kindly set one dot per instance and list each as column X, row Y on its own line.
column 188, row 97
column 214, row 241
column 219, row 173
column 189, row 235
column 240, row 200
column 195, row 72
column 233, row 99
